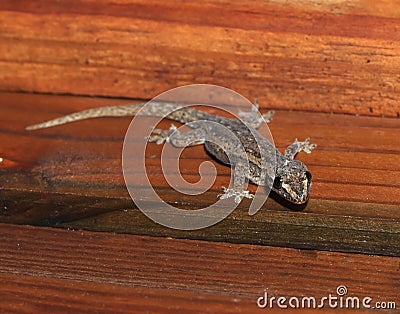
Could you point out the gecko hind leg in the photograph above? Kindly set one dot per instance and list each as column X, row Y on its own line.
column 254, row 118
column 239, row 181
column 161, row 136
column 177, row 139
column 296, row 147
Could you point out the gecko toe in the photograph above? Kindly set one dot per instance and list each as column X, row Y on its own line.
column 238, row 195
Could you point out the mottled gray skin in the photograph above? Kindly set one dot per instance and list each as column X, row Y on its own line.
column 289, row 178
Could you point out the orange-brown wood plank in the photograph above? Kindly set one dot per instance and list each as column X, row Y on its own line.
column 22, row 294
column 71, row 176
column 308, row 55
column 64, row 270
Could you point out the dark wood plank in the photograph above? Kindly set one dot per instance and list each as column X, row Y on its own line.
column 65, row 270
column 307, row 55
column 71, row 176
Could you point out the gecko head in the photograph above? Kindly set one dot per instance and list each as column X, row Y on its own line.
column 293, row 182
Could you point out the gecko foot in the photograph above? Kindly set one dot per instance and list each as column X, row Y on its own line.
column 254, row 118
column 268, row 116
column 297, row 147
column 306, row 146
column 237, row 194
column 162, row 136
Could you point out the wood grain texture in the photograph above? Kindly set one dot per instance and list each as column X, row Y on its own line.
column 306, row 55
column 307, row 59
column 71, row 176
column 86, row 272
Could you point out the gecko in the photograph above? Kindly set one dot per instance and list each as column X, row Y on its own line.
column 291, row 180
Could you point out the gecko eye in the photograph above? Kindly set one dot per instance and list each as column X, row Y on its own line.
column 308, row 175
column 277, row 183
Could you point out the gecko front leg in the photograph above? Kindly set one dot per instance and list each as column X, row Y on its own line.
column 239, row 180
column 297, row 147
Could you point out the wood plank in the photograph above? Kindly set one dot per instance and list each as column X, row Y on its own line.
column 71, row 176
column 324, row 57
column 66, row 270
column 23, row 294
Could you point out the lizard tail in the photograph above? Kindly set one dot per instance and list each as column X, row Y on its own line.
column 159, row 109
column 110, row 111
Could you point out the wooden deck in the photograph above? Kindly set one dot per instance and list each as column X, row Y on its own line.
column 71, row 238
